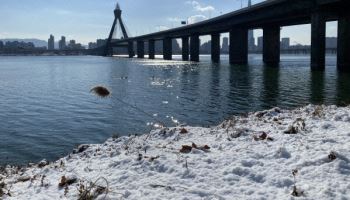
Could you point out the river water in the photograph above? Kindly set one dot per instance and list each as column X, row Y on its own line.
column 46, row 107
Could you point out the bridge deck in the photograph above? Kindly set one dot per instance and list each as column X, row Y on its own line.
column 281, row 12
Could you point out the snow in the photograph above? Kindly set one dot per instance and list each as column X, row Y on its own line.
column 250, row 157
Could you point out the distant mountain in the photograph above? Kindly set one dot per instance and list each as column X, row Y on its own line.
column 36, row 42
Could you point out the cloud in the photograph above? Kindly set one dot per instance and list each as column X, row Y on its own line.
column 198, row 7
column 196, row 18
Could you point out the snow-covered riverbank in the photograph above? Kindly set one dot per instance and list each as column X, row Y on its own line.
column 275, row 154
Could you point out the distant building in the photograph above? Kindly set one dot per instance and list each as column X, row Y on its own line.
column 285, row 43
column 260, row 43
column 331, row 42
column 71, row 44
column 251, row 39
column 176, row 47
column 249, row 3
column 74, row 46
column 225, row 45
column 92, row 45
column 62, row 43
column 158, row 47
column 51, row 43
column 1, row 45
column 18, row 45
column 205, row 48
column 100, row 42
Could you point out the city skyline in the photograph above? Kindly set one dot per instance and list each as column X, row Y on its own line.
column 255, row 44
column 87, row 20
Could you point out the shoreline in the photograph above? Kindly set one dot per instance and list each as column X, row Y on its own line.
column 267, row 154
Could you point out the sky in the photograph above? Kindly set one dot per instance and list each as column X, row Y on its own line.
column 87, row 20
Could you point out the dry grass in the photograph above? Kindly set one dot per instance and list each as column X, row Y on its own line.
column 93, row 190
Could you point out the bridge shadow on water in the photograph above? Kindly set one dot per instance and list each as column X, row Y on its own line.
column 343, row 89
column 243, row 88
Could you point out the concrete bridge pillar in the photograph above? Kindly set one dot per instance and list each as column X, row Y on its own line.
column 140, row 49
column 151, row 49
column 318, row 41
column 131, row 49
column 215, row 47
column 167, row 49
column 271, row 45
column 239, row 46
column 185, row 48
column 344, row 43
column 194, row 48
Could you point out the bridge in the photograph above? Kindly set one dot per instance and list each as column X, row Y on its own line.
column 269, row 16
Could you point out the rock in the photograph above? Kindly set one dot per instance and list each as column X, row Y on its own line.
column 291, row 130
column 272, row 112
column 332, row 156
column 262, row 136
column 43, row 163
column 297, row 192
column 276, row 109
column 186, row 149
column 23, row 179
column 183, row 131
column 2, row 177
column 81, row 148
column 260, row 114
column 31, row 164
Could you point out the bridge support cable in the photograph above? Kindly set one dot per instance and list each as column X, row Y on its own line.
column 343, row 42
column 215, row 47
column 271, row 45
column 194, row 48
column 151, row 49
column 185, row 48
column 122, row 26
column 108, row 46
column 318, row 41
column 140, row 49
column 117, row 18
column 167, row 48
column 238, row 46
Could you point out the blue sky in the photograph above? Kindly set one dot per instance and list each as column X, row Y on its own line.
column 86, row 20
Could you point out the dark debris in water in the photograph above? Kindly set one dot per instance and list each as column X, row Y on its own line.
column 100, row 91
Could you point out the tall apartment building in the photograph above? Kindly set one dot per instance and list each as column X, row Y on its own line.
column 51, row 43
column 62, row 43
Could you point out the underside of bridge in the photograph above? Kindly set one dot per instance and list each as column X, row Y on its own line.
column 269, row 16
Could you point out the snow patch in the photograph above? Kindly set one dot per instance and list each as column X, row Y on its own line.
column 311, row 161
